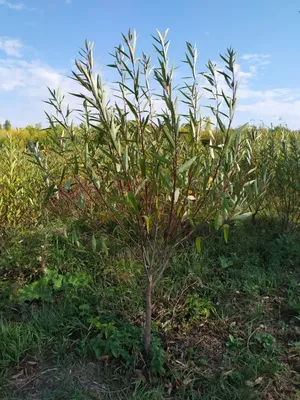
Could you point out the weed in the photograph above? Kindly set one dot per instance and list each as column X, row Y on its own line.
column 45, row 288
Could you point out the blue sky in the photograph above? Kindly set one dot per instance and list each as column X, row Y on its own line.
column 39, row 40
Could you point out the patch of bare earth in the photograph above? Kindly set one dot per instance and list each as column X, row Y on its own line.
column 33, row 381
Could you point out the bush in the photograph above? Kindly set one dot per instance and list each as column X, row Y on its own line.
column 21, row 187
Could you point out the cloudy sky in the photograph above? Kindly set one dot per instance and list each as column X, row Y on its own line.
column 39, row 40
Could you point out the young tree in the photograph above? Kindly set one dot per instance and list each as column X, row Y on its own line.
column 7, row 125
column 156, row 183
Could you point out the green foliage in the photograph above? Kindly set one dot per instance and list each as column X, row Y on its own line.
column 275, row 157
column 135, row 164
column 21, row 187
column 129, row 156
column 158, row 357
column 45, row 288
column 39, row 289
column 115, row 341
column 197, row 309
column 234, row 343
column 232, row 348
column 25, row 136
column 7, row 125
column 287, row 182
column 266, row 340
column 15, row 340
column 123, row 340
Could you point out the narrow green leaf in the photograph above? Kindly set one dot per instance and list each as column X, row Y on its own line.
column 125, row 158
column 132, row 200
column 187, row 165
column 68, row 185
column 227, row 100
column 226, row 232
column 221, row 124
column 81, row 201
column 76, row 166
column 198, row 244
column 169, row 138
column 94, row 243
column 218, row 221
column 241, row 217
column 103, row 245
column 51, row 190
column 96, row 182
column 147, row 220
column 63, row 174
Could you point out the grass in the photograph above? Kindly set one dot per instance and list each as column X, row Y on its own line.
column 226, row 320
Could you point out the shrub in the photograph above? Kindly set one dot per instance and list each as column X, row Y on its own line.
column 46, row 287
column 155, row 182
column 21, row 187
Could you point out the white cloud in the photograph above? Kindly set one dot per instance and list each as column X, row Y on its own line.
column 23, row 88
column 257, row 62
column 260, row 59
column 13, row 6
column 243, row 76
column 272, row 106
column 12, row 47
column 285, row 94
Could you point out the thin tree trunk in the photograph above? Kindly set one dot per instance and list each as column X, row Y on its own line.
column 148, row 297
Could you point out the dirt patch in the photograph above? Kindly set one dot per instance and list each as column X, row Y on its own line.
column 206, row 342
column 86, row 380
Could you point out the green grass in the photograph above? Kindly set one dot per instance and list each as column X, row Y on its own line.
column 226, row 320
